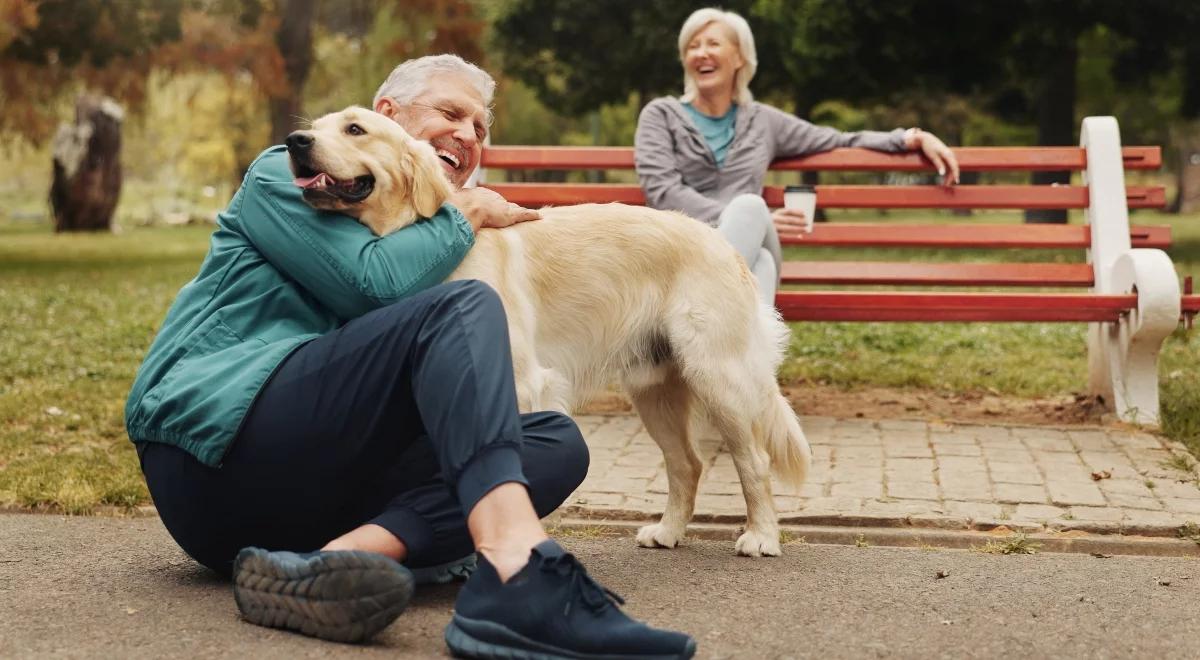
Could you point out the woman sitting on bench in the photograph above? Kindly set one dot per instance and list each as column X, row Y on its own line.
column 707, row 152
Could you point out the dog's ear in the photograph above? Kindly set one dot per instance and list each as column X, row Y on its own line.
column 430, row 188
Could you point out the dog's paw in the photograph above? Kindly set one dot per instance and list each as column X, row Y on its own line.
column 658, row 536
column 758, row 544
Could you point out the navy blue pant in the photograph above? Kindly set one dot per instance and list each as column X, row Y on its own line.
column 404, row 418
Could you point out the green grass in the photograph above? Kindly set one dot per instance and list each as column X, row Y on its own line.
column 1013, row 545
column 1019, row 359
column 80, row 311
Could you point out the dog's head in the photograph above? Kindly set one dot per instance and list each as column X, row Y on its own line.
column 363, row 164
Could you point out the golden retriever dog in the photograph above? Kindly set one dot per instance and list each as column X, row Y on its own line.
column 596, row 294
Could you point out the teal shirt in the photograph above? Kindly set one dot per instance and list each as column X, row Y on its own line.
column 717, row 131
column 278, row 273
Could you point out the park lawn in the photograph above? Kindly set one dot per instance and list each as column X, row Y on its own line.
column 80, row 311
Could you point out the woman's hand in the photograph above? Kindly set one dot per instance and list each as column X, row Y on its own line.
column 486, row 208
column 790, row 223
column 936, row 151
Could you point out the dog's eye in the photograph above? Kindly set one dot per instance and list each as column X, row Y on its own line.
column 355, row 129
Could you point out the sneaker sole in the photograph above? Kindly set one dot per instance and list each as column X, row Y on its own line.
column 512, row 646
column 337, row 596
column 459, row 569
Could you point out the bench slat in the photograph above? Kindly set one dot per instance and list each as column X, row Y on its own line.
column 981, row 159
column 864, row 234
column 937, row 274
column 966, row 197
column 850, row 197
column 977, row 159
column 919, row 306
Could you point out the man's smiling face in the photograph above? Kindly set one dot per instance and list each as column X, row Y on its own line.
column 451, row 116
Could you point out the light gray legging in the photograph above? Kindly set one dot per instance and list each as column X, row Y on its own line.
column 746, row 223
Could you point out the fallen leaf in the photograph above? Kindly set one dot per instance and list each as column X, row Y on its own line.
column 54, row 411
column 1101, row 555
column 1163, row 582
column 1103, row 474
column 942, row 574
column 946, row 622
column 130, row 610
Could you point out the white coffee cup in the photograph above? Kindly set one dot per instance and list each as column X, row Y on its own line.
column 804, row 198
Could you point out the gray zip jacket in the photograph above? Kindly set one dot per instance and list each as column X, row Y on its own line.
column 677, row 170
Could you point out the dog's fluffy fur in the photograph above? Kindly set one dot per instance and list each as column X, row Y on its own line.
column 602, row 293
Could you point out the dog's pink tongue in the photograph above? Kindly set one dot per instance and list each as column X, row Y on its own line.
column 317, row 181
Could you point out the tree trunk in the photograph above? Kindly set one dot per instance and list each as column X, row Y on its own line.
column 964, row 178
column 1185, row 138
column 294, row 40
column 967, row 179
column 1185, row 135
column 87, row 166
column 1056, row 116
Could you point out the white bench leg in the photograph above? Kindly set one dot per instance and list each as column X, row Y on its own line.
column 1131, row 345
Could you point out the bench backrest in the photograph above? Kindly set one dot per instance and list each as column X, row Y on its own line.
column 977, row 159
column 1102, row 159
column 980, row 159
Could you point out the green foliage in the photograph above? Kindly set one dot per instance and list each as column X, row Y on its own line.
column 579, row 54
column 864, row 51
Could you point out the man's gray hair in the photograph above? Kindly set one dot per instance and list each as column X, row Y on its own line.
column 411, row 79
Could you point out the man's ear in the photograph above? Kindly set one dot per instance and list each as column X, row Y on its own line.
column 430, row 188
column 387, row 107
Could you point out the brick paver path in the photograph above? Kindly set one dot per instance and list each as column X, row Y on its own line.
column 924, row 474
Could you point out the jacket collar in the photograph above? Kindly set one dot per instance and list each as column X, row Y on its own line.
column 744, row 115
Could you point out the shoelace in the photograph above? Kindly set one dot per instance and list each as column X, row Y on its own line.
column 594, row 596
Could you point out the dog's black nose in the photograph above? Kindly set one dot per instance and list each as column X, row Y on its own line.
column 299, row 141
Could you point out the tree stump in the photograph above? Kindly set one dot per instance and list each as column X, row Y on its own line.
column 87, row 166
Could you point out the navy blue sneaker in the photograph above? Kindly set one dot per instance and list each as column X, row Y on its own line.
column 552, row 609
column 460, row 569
column 341, row 596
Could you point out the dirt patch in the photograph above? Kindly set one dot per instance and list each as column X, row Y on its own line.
column 889, row 403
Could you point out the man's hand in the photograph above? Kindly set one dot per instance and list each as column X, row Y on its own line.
column 936, row 151
column 790, row 223
column 486, row 208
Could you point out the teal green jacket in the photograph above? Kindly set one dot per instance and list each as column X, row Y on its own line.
column 278, row 274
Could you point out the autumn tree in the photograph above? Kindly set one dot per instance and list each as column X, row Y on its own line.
column 96, row 50
column 51, row 50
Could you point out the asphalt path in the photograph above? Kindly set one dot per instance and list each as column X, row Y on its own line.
column 119, row 588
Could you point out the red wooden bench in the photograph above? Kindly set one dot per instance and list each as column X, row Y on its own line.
column 1126, row 302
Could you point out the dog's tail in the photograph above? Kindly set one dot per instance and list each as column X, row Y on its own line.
column 785, row 442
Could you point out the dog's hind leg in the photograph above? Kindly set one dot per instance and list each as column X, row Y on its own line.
column 753, row 466
column 663, row 408
column 735, row 401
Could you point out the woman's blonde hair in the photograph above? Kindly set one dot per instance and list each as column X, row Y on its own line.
column 745, row 42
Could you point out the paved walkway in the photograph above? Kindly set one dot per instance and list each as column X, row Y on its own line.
column 895, row 473
column 89, row 587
